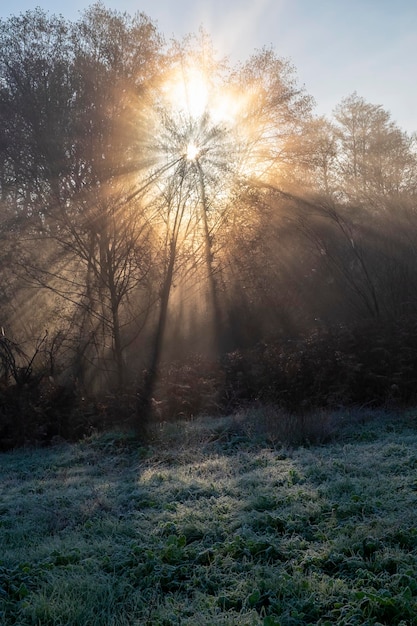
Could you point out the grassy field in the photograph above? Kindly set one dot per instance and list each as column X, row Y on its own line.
column 214, row 523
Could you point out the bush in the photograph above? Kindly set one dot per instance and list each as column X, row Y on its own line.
column 370, row 363
column 188, row 388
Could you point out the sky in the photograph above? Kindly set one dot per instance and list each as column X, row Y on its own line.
column 336, row 46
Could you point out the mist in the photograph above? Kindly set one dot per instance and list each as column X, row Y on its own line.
column 143, row 281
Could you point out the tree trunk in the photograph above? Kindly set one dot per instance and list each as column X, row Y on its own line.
column 145, row 394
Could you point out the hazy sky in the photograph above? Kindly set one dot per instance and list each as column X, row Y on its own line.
column 336, row 46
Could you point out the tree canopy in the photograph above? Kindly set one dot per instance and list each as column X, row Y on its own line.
column 158, row 202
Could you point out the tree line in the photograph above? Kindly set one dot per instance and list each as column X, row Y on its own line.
column 162, row 262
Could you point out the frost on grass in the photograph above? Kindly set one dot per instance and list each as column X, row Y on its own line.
column 208, row 525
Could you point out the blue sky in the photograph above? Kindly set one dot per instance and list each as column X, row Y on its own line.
column 336, row 46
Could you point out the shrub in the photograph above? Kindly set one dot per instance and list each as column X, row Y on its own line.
column 369, row 363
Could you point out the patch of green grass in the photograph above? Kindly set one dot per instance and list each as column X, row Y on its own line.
column 205, row 527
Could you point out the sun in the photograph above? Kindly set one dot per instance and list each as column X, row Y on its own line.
column 203, row 128
column 192, row 151
column 203, row 118
column 193, row 128
column 210, row 120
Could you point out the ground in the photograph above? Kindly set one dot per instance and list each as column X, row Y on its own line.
column 214, row 522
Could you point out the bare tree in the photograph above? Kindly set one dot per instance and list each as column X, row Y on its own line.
column 375, row 158
column 82, row 234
